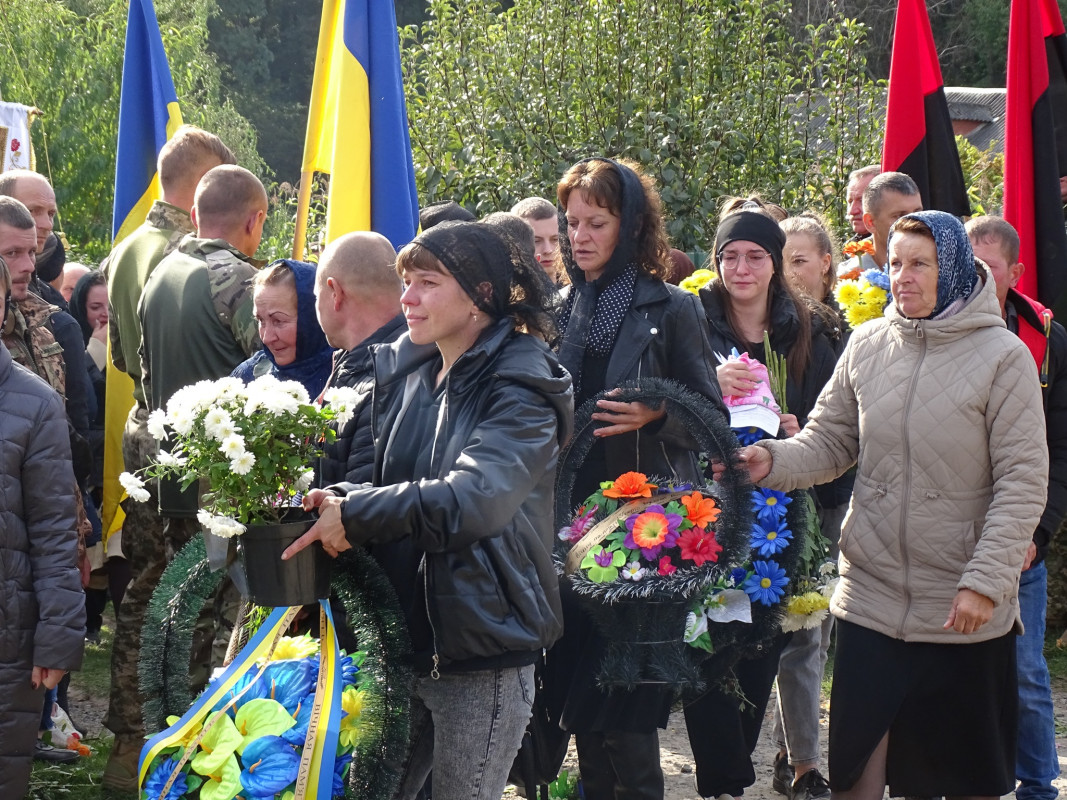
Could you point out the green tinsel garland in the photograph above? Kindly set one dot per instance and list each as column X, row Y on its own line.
column 374, row 616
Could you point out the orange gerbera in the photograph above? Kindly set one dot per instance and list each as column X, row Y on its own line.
column 700, row 510
column 862, row 247
column 630, row 485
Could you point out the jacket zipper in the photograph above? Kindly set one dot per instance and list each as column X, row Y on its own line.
column 435, row 673
column 904, row 438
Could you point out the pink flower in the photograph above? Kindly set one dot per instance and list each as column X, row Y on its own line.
column 15, row 145
column 666, row 567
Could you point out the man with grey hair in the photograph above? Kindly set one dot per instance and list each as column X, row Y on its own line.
column 888, row 197
column 357, row 300
column 541, row 215
column 858, row 181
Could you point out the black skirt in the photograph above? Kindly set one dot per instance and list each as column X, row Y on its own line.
column 950, row 711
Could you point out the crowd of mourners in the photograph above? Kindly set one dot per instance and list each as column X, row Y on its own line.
column 926, row 438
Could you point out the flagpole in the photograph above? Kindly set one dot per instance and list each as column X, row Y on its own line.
column 303, row 206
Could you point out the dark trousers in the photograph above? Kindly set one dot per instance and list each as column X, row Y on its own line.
column 615, row 765
column 723, row 734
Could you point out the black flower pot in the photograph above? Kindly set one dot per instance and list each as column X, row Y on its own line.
column 302, row 580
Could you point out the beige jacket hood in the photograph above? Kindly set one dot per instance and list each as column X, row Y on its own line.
column 944, row 419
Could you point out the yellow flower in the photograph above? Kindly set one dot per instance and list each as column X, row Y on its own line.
column 352, row 705
column 848, row 292
column 874, row 295
column 698, row 280
column 291, row 647
column 807, row 603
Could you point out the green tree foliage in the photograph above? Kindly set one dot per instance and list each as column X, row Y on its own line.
column 66, row 58
column 267, row 52
column 714, row 97
column 983, row 172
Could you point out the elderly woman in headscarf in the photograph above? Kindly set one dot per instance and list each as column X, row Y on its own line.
column 294, row 346
column 621, row 322
column 939, row 406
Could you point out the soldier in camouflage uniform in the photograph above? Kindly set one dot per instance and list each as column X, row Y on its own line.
column 183, row 161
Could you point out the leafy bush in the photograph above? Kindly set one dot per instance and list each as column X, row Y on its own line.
column 66, row 58
column 713, row 97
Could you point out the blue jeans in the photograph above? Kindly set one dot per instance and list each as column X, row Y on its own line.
column 1036, row 762
column 467, row 728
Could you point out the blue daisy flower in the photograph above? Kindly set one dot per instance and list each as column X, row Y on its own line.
column 769, row 505
column 771, row 539
column 738, row 575
column 750, row 435
column 158, row 779
column 767, row 584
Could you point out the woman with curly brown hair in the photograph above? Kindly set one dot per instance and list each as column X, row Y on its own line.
column 621, row 322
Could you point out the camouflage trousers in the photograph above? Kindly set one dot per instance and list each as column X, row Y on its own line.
column 149, row 542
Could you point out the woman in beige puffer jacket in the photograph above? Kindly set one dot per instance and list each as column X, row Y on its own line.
column 939, row 405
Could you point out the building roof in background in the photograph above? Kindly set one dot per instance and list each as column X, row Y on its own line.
column 978, row 114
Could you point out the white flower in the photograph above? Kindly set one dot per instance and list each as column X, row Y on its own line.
column 157, row 424
column 134, row 487
column 695, row 626
column 828, row 589
column 242, row 464
column 278, row 403
column 828, row 568
column 219, row 525
column 166, row 459
column 232, row 446
column 343, row 401
column 303, row 483
column 633, row 571
column 218, row 423
column 181, row 420
column 798, row 622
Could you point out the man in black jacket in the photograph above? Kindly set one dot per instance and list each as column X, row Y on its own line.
column 1036, row 763
column 357, row 300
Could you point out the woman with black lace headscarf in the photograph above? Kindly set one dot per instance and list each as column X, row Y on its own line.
column 620, row 322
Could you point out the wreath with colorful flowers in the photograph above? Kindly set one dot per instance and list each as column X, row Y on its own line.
column 643, row 554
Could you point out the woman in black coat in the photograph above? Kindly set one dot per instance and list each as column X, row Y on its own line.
column 751, row 296
column 620, row 322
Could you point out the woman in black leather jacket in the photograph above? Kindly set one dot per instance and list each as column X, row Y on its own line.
column 620, row 322
column 469, row 417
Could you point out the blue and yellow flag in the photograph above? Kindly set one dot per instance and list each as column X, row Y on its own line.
column 358, row 123
column 148, row 116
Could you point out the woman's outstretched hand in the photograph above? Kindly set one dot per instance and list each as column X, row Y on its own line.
column 329, row 529
column 757, row 460
column 970, row 611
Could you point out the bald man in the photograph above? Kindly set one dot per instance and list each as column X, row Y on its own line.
column 357, row 299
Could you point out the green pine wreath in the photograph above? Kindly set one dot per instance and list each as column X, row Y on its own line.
column 373, row 615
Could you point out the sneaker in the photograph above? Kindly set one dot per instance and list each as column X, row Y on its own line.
column 782, row 782
column 45, row 752
column 810, row 786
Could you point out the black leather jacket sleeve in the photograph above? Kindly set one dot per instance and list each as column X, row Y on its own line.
column 500, row 464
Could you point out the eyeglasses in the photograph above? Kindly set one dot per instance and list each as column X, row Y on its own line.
column 756, row 260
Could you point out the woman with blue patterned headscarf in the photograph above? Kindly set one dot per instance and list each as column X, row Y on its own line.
column 294, row 346
column 939, row 406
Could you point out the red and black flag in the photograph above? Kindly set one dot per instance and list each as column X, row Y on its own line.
column 1035, row 148
column 918, row 129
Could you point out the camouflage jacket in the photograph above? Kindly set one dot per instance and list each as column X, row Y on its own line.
column 196, row 317
column 127, row 269
column 32, row 343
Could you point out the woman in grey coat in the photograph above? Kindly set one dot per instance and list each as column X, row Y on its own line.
column 42, row 611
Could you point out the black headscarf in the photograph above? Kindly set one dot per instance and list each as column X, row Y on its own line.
column 595, row 309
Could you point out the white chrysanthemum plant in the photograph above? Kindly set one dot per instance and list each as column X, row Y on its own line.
column 253, row 446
